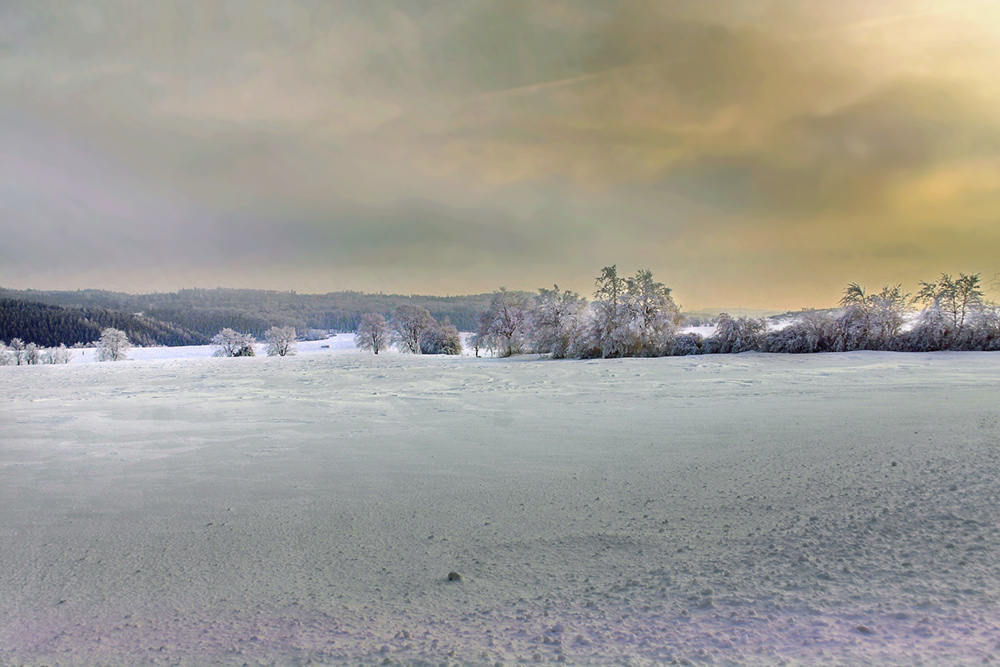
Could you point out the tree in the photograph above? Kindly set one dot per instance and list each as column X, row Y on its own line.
column 6, row 358
column 441, row 339
column 956, row 300
column 57, row 355
column 651, row 316
column 871, row 321
column 408, row 325
column 32, row 355
column 17, row 350
column 482, row 338
column 113, row 346
column 373, row 333
column 608, row 311
column 506, row 321
column 280, row 341
column 552, row 318
column 633, row 316
column 231, row 343
column 732, row 336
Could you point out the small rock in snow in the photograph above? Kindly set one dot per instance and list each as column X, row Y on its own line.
column 454, row 576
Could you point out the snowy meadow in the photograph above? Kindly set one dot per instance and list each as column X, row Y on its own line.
column 742, row 509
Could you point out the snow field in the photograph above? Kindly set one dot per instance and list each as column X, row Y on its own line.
column 729, row 510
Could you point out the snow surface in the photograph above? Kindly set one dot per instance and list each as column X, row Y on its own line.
column 828, row 509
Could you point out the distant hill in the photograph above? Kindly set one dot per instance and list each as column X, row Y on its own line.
column 206, row 311
column 49, row 326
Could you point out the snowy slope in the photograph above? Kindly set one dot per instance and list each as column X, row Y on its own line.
column 729, row 510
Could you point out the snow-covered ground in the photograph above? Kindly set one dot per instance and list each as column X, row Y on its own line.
column 835, row 509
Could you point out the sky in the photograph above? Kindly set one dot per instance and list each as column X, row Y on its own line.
column 751, row 153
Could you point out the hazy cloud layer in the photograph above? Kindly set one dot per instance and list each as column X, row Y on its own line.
column 754, row 152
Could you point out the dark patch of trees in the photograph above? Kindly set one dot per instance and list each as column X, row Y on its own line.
column 50, row 326
column 207, row 311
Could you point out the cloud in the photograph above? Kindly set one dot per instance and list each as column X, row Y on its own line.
column 503, row 132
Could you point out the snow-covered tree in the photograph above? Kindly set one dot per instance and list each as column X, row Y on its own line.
column 609, row 312
column 553, row 317
column 280, row 341
column 506, row 321
column 814, row 331
column 956, row 299
column 57, row 355
column 17, row 350
column 113, row 345
column 230, row 343
column 32, row 354
column 6, row 358
column 408, row 325
column 652, row 316
column 441, row 339
column 871, row 321
column 735, row 335
column 482, row 338
column 633, row 316
column 373, row 333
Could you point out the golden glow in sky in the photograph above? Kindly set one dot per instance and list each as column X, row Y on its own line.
column 761, row 153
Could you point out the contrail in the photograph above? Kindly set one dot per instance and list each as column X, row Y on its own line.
column 571, row 81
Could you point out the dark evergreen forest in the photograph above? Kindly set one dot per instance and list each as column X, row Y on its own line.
column 50, row 326
column 193, row 316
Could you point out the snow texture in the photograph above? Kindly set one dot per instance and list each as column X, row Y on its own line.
column 826, row 509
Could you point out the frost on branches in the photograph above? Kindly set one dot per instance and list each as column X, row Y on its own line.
column 113, row 346
column 231, row 343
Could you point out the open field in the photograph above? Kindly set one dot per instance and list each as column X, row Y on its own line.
column 835, row 509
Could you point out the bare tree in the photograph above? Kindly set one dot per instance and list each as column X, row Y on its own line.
column 408, row 325
column 231, row 343
column 280, row 341
column 373, row 333
column 113, row 346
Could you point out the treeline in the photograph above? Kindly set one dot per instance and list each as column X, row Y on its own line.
column 637, row 317
column 51, row 326
column 207, row 311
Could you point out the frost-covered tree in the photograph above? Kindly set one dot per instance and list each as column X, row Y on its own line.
column 482, row 338
column 17, row 350
column 57, row 355
column 373, row 333
column 609, row 312
column 230, row 343
column 6, row 358
column 652, row 316
column 632, row 316
column 553, row 318
column 871, row 321
column 814, row 331
column 32, row 354
column 686, row 344
column 113, row 345
column 506, row 321
column 955, row 299
column 441, row 339
column 408, row 325
column 735, row 335
column 280, row 341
